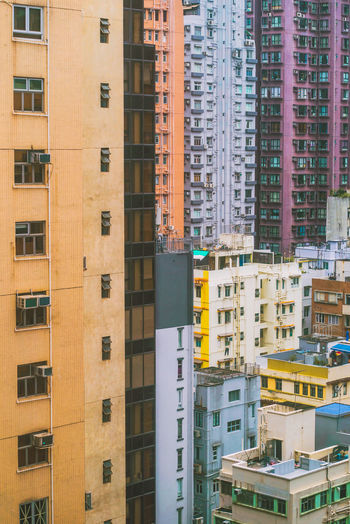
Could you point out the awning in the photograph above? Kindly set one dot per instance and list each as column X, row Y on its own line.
column 345, row 348
column 198, row 335
column 225, row 335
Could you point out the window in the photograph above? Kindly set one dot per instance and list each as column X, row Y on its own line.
column 305, row 389
column 180, row 398
column 28, row 94
column 30, row 238
column 105, row 286
column 215, row 452
column 104, row 30
column 104, row 94
column 227, row 291
column 227, row 317
column 106, row 410
column 105, row 223
column 265, row 502
column 323, row 498
column 88, row 501
column 179, row 515
column 33, row 512
column 278, row 384
column 319, row 392
column 27, row 22
column 180, row 428
column 199, row 487
column 34, row 314
column 233, row 425
column 107, row 471
column 28, row 455
column 216, row 486
column 296, row 388
column 216, row 418
column 234, row 395
column 198, row 291
column 179, row 483
column 308, row 504
column 28, row 382
column 105, row 159
column 179, row 459
column 106, row 348
column 264, row 382
column 27, row 172
column 198, row 419
column 180, row 368
column 179, row 338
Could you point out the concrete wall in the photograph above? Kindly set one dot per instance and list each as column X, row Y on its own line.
column 59, row 342
column 210, row 399
column 174, row 313
column 104, row 255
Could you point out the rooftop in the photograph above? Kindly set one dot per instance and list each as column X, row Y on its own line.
column 213, row 376
column 335, row 409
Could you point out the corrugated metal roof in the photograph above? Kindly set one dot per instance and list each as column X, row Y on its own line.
column 334, row 409
column 341, row 347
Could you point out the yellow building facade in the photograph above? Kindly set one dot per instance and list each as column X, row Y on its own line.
column 54, row 446
column 308, row 384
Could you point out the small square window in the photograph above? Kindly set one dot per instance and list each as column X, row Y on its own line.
column 104, row 94
column 106, row 348
column 27, row 22
column 105, row 159
column 104, row 30
column 105, row 223
column 107, row 471
column 106, row 410
column 105, row 286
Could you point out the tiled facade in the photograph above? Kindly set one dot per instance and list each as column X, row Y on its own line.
column 304, row 115
column 163, row 27
column 220, row 111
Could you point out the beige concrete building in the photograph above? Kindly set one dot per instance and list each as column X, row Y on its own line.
column 61, row 160
column 311, row 487
column 245, row 304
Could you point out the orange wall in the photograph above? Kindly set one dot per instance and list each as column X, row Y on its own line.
column 173, row 131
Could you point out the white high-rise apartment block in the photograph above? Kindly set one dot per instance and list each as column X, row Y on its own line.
column 220, row 112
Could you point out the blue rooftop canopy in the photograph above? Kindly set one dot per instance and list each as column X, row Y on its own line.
column 345, row 348
column 334, row 409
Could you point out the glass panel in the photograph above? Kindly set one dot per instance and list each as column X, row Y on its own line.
column 20, row 83
column 148, row 86
column 127, row 373
column 148, row 411
column 19, row 18
column 147, row 177
column 29, row 245
column 137, row 178
column 137, row 275
column 34, row 20
column 136, row 323
column 17, row 101
column 148, row 463
column 148, row 128
column 149, row 321
column 147, row 226
column 137, row 28
column 137, row 226
column 27, row 102
column 136, row 77
column 137, row 371
column 148, row 274
column 136, row 419
column 35, row 84
column 38, row 102
column 148, row 369
column 136, row 138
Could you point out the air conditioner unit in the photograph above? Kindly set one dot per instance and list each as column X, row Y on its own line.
column 188, row 88
column 198, row 520
column 187, row 28
column 171, row 228
column 32, row 301
column 237, row 491
column 39, row 158
column 188, row 64
column 42, row 440
column 197, row 433
column 188, row 120
column 198, row 469
column 43, row 371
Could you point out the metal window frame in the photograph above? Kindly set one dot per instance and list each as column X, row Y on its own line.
column 34, row 505
column 33, row 236
column 22, row 33
column 30, row 377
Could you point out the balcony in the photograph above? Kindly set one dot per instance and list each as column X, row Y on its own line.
column 251, row 148
column 196, row 202
column 251, row 131
column 197, row 111
column 196, row 75
column 196, row 220
column 197, row 93
column 197, row 166
column 197, row 38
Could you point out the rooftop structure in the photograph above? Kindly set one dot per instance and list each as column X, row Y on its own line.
column 312, row 486
column 305, row 376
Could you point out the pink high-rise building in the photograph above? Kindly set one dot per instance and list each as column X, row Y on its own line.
column 304, row 115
